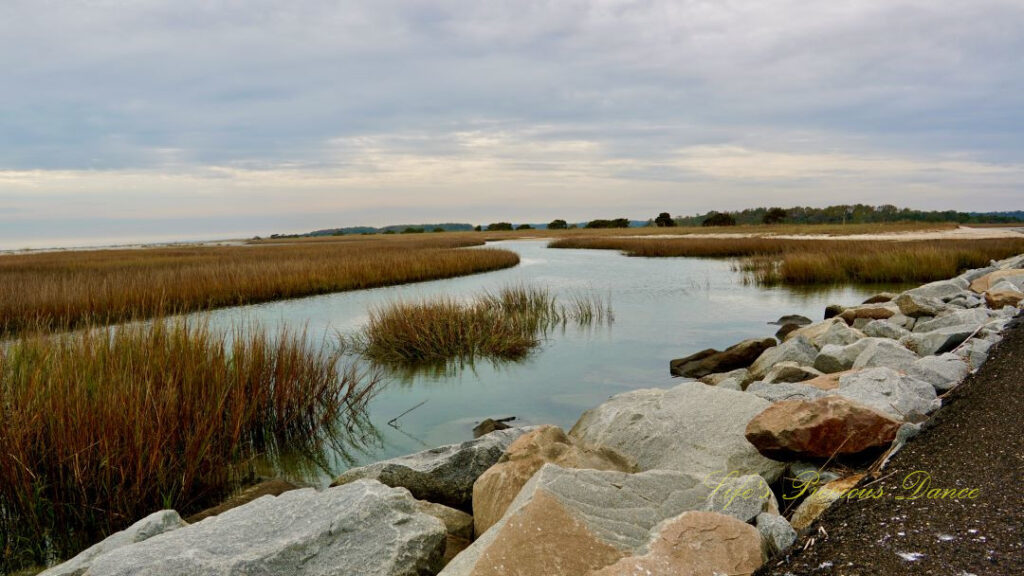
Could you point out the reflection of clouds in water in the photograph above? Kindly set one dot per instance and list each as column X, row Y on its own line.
column 531, row 261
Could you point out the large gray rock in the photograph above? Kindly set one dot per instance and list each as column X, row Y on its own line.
column 776, row 533
column 885, row 329
column 742, row 497
column 574, row 521
column 974, row 316
column 839, row 334
column 150, row 526
column 943, row 372
column 943, row 289
column 938, row 341
column 690, row 428
column 786, row 391
column 833, row 358
column 974, row 352
column 972, row 275
column 444, row 475
column 797, row 349
column 885, row 353
column 899, row 395
column 361, row 528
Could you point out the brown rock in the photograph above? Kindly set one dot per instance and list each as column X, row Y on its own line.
column 916, row 306
column 710, row 361
column 820, row 500
column 495, row 489
column 999, row 298
column 985, row 282
column 490, row 425
column 458, row 524
column 868, row 311
column 544, row 538
column 695, row 544
column 790, row 372
column 819, row 428
column 814, row 331
column 880, row 298
column 827, row 381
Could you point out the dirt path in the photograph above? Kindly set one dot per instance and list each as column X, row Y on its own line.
column 976, row 441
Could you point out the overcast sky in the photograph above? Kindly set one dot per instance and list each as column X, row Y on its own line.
column 158, row 119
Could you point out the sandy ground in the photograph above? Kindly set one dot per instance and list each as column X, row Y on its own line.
column 961, row 233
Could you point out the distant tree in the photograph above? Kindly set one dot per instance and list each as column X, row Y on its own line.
column 388, row 232
column 664, row 219
column 524, row 227
column 499, row 226
column 411, row 230
column 573, row 226
column 774, row 216
column 718, row 219
column 478, row 228
column 438, row 229
column 616, row 223
column 557, row 225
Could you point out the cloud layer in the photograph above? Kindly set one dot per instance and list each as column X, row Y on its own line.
column 264, row 116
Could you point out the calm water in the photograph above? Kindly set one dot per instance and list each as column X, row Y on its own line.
column 664, row 308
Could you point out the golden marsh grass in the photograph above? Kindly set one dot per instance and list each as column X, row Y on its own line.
column 57, row 290
column 769, row 261
column 101, row 427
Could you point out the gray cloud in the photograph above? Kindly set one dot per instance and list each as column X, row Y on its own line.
column 627, row 100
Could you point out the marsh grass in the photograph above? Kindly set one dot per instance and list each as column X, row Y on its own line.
column 502, row 325
column 101, row 427
column 771, row 261
column 55, row 290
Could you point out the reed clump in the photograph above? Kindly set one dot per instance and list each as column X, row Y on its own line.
column 78, row 288
column 101, row 427
column 502, row 325
column 771, row 261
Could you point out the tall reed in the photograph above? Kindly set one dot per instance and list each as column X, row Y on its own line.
column 75, row 288
column 101, row 427
column 502, row 325
column 768, row 261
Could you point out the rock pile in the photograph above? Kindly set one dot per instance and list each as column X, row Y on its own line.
column 657, row 481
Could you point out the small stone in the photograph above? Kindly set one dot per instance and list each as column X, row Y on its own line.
column 813, row 506
column 776, row 533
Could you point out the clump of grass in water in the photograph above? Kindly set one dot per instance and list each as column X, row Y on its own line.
column 99, row 428
column 503, row 325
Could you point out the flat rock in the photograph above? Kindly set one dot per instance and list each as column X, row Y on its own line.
column 997, row 299
column 869, row 312
column 943, row 289
column 985, row 282
column 710, row 361
column 880, row 298
column 834, row 358
column 819, row 501
column 740, row 374
column 916, row 306
column 797, row 349
column 884, row 329
column 885, row 353
column 839, row 334
column 938, row 341
column 445, row 474
column 814, row 331
column 690, row 428
column 695, row 544
column 361, row 528
column 785, row 391
column 792, row 319
column 975, row 316
column 790, row 372
column 499, row 485
column 820, row 428
column 155, row 524
column 898, row 395
column 574, row 521
column 942, row 372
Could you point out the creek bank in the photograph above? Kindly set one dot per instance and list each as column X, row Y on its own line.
column 641, row 481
